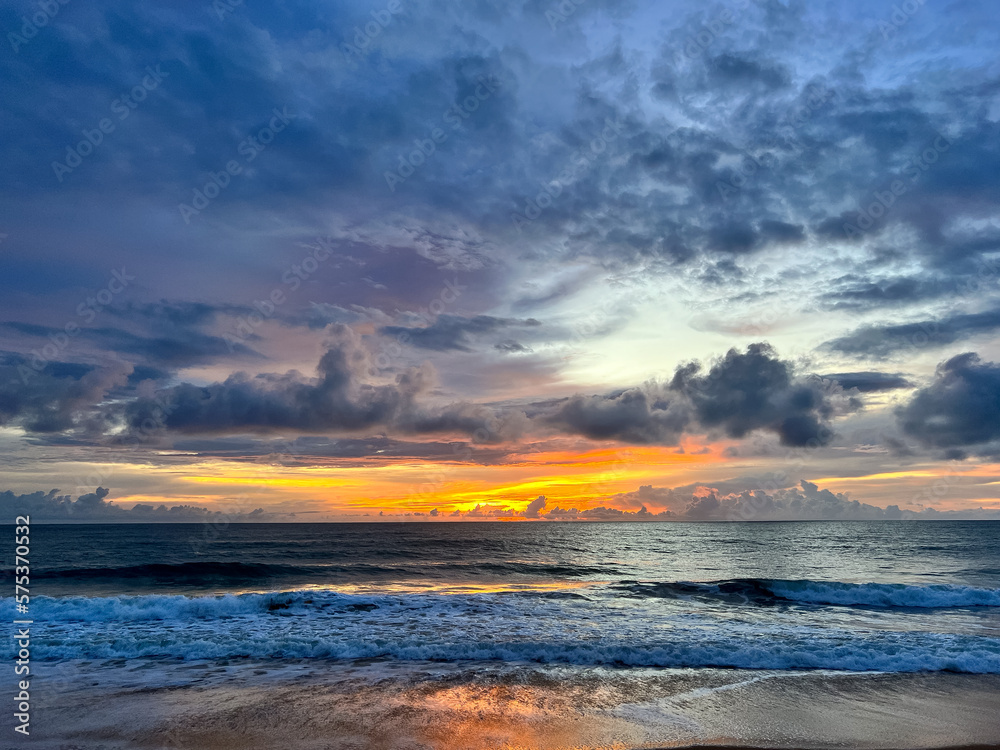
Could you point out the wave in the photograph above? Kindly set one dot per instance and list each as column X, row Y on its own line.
column 465, row 627
column 942, row 656
column 762, row 591
column 213, row 572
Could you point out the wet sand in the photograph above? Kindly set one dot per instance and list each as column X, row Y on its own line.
column 312, row 705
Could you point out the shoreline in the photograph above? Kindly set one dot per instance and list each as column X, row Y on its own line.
column 391, row 705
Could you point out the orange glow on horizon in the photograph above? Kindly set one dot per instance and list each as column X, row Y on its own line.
column 568, row 477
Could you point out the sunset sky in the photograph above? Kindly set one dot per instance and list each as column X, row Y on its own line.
column 467, row 259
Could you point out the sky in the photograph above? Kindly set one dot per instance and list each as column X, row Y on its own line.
column 526, row 260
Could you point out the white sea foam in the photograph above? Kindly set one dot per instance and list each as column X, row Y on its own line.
column 885, row 594
column 503, row 627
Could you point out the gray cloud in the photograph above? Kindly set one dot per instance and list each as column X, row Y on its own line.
column 869, row 382
column 858, row 293
column 885, row 340
column 509, row 346
column 638, row 415
column 171, row 337
column 50, row 506
column 960, row 410
column 339, row 399
column 743, row 70
column 740, row 393
column 313, row 450
column 534, row 507
column 756, row 390
column 453, row 332
column 807, row 502
column 51, row 397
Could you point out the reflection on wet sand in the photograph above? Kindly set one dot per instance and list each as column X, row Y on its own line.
column 375, row 704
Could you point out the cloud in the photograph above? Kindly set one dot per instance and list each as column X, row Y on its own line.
column 755, row 390
column 743, row 70
column 170, row 338
column 959, row 410
column 509, row 346
column 807, row 502
column 453, row 332
column 342, row 399
column 780, row 232
column 338, row 399
column 50, row 397
column 885, row 340
column 869, row 382
column 319, row 450
column 533, row 508
column 859, row 293
column 50, row 506
column 740, row 393
column 602, row 513
column 649, row 414
column 487, row 510
column 321, row 314
column 174, row 313
column 647, row 200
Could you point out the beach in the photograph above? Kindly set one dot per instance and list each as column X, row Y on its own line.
column 432, row 705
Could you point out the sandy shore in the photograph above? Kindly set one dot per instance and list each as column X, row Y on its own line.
column 245, row 705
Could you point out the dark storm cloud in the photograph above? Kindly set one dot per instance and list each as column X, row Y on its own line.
column 960, row 410
column 51, row 397
column 637, row 415
column 885, row 340
column 739, row 394
column 268, row 402
column 87, row 400
column 453, row 332
column 170, row 351
column 869, row 382
column 341, row 399
column 166, row 333
column 755, row 390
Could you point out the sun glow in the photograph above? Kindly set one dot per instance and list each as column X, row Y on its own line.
column 567, row 477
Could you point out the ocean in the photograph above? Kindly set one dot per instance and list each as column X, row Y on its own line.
column 568, row 608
